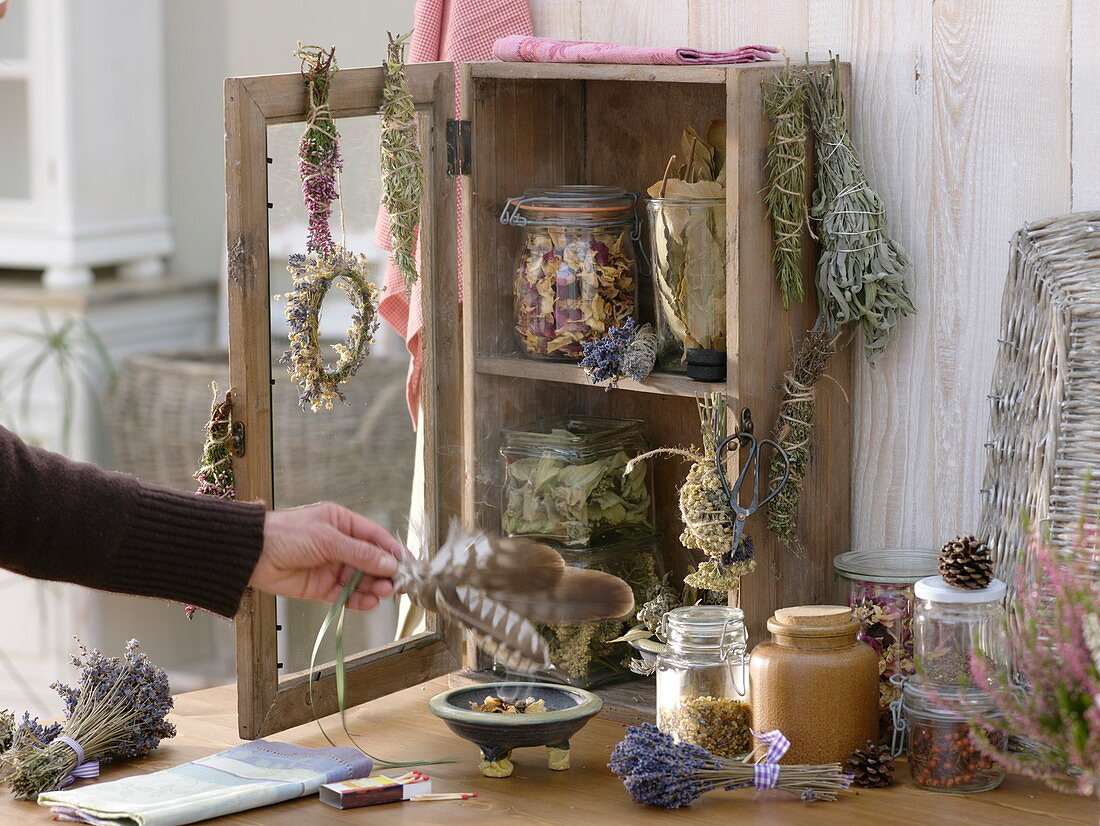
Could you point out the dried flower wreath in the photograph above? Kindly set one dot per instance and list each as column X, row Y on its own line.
column 326, row 262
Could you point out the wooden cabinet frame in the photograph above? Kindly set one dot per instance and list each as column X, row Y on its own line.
column 267, row 702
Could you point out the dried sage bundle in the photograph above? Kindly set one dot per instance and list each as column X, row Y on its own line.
column 402, row 165
column 785, row 197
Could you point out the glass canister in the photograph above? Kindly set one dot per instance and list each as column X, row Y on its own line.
column 702, row 681
column 815, row 682
column 941, row 755
column 880, row 593
column 688, row 245
column 950, row 621
column 564, row 480
column 575, row 274
column 583, row 651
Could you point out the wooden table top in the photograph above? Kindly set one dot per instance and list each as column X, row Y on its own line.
column 400, row 727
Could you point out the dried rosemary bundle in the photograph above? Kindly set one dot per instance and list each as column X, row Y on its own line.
column 785, row 197
column 861, row 272
column 860, row 281
column 402, row 165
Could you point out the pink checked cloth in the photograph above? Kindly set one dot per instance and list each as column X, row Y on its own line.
column 519, row 49
column 461, row 31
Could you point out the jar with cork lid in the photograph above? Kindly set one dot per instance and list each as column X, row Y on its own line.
column 815, row 682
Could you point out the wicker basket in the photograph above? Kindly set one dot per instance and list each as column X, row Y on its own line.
column 1045, row 423
column 163, row 401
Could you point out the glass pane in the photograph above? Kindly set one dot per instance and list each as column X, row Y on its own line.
column 14, row 139
column 362, row 454
column 13, row 31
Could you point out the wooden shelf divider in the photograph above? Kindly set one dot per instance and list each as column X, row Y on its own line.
column 664, row 384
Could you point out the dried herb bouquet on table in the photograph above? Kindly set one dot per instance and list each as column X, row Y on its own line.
column 117, row 710
column 325, row 262
column 861, row 270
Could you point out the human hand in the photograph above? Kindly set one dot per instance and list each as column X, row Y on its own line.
column 311, row 552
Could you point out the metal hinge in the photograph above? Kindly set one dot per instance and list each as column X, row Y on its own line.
column 458, row 147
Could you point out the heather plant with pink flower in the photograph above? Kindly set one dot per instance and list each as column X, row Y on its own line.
column 1054, row 705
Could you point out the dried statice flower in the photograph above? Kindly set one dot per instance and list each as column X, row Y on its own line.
column 117, row 710
column 627, row 351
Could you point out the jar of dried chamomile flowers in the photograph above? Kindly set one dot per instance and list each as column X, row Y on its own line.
column 575, row 274
column 702, row 679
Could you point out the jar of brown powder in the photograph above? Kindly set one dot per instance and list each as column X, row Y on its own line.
column 816, row 683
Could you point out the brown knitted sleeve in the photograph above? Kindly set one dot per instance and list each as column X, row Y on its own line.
column 74, row 522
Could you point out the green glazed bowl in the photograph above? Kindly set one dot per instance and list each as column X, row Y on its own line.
column 497, row 734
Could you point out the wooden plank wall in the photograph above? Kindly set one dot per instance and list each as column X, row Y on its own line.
column 973, row 116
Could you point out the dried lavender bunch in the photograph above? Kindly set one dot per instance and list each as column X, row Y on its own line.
column 794, row 433
column 627, row 351
column 861, row 272
column 319, row 149
column 402, row 165
column 117, row 710
column 785, row 197
column 658, row 771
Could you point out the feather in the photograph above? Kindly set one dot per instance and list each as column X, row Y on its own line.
column 498, row 588
column 581, row 595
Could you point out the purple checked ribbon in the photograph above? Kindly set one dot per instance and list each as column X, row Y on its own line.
column 84, row 768
column 766, row 771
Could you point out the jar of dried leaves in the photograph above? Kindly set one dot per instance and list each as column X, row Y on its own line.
column 688, row 240
column 702, row 679
column 564, row 480
column 575, row 274
column 586, row 653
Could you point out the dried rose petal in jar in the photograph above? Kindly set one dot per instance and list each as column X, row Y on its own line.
column 575, row 274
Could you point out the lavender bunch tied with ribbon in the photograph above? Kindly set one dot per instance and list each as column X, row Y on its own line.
column 659, row 771
column 117, row 710
column 627, row 351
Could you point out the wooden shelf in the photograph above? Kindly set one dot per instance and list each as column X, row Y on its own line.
column 632, row 702
column 663, row 384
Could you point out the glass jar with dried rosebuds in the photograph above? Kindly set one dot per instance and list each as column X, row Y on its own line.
column 702, row 679
column 953, row 624
column 879, row 585
column 943, row 756
column 575, row 274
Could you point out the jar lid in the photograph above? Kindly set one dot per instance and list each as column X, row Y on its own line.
column 946, row 702
column 887, row 565
column 813, row 621
column 935, row 589
column 704, row 619
column 564, row 204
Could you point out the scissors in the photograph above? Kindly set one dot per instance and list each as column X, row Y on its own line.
column 733, row 493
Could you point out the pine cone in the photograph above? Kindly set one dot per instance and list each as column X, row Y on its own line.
column 965, row 562
column 872, row 766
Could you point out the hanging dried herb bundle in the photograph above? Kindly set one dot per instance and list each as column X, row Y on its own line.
column 705, row 508
column 861, row 272
column 319, row 149
column 215, row 473
column 794, row 432
column 319, row 163
column 402, row 165
column 860, row 281
column 785, row 197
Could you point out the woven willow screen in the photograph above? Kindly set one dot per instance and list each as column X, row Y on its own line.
column 1045, row 420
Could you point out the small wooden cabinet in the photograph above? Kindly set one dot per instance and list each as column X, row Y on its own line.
column 528, row 125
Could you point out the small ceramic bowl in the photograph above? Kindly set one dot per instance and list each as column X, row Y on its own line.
column 497, row 734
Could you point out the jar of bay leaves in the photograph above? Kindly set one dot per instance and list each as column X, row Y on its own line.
column 575, row 274
column 702, row 679
column 564, row 480
column 688, row 246
column 583, row 651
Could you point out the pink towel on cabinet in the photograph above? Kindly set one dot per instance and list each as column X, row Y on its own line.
column 460, row 31
column 520, row 49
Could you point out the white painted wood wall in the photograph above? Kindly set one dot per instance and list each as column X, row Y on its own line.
column 973, row 117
